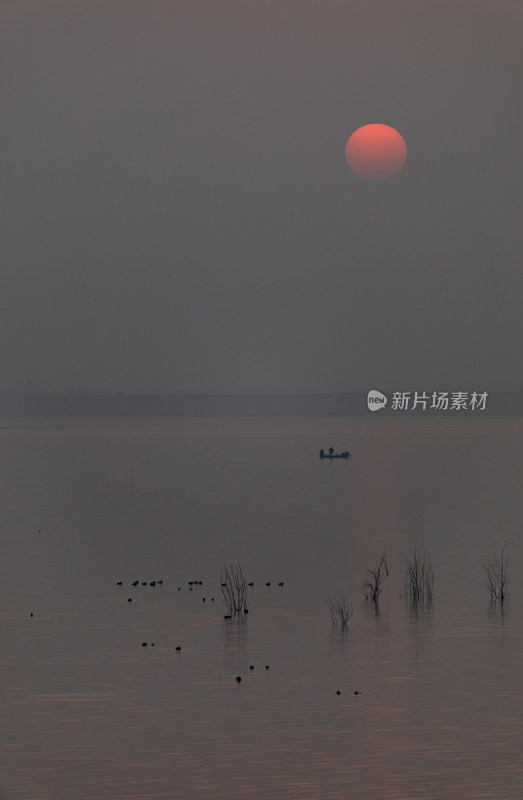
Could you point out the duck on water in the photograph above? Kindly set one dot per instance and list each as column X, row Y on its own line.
column 332, row 454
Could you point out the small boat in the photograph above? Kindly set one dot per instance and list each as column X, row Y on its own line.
column 331, row 454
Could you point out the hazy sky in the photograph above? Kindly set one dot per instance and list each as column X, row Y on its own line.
column 177, row 214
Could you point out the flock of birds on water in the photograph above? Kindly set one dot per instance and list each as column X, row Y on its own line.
column 192, row 584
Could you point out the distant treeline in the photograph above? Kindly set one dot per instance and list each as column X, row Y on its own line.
column 213, row 405
column 227, row 405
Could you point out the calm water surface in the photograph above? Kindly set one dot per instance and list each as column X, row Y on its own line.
column 88, row 713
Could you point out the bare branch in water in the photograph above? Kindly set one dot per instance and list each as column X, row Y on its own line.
column 496, row 570
column 375, row 577
column 234, row 589
column 419, row 578
column 341, row 611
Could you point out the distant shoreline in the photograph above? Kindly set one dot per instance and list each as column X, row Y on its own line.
column 222, row 405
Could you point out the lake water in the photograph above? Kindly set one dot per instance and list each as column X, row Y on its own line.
column 88, row 713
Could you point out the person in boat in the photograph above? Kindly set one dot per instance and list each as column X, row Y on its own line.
column 331, row 450
column 322, row 453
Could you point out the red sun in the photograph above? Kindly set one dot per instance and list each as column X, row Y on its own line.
column 376, row 152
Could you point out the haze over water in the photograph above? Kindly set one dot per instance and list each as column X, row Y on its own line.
column 89, row 713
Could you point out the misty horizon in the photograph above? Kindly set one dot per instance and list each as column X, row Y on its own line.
column 472, row 409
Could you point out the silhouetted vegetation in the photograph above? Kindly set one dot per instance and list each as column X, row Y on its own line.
column 234, row 589
column 341, row 611
column 496, row 570
column 419, row 578
column 375, row 577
